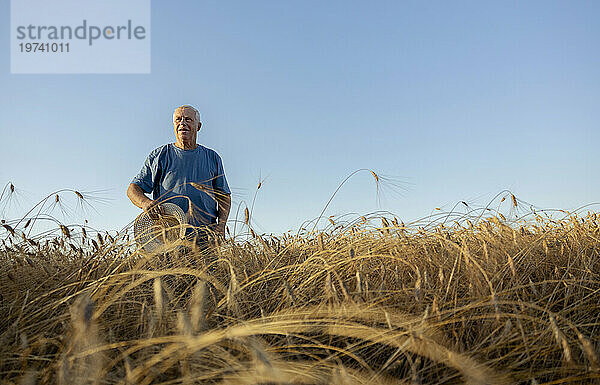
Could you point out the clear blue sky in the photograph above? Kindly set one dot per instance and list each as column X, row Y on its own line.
column 460, row 99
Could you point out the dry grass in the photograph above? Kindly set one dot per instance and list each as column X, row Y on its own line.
column 483, row 303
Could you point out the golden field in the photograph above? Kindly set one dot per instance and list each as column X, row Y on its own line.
column 460, row 299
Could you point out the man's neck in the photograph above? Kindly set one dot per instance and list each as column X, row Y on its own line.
column 186, row 146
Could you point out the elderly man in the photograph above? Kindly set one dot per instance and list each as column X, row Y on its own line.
column 187, row 174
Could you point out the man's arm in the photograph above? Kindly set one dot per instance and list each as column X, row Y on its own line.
column 223, row 206
column 139, row 198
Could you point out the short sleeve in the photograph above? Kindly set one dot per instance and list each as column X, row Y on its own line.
column 220, row 182
column 145, row 178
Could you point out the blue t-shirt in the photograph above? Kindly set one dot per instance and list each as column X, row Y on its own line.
column 169, row 171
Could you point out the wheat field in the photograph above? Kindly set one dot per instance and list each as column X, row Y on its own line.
column 455, row 298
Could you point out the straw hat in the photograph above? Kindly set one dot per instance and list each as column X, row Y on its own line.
column 169, row 227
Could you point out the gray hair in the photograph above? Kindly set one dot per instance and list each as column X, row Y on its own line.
column 196, row 113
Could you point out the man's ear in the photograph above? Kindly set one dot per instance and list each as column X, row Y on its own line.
column 199, row 125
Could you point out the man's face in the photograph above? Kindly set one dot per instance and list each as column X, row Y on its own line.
column 186, row 125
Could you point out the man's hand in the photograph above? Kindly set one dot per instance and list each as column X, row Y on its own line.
column 220, row 229
column 218, row 234
column 223, row 205
column 138, row 198
column 153, row 208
